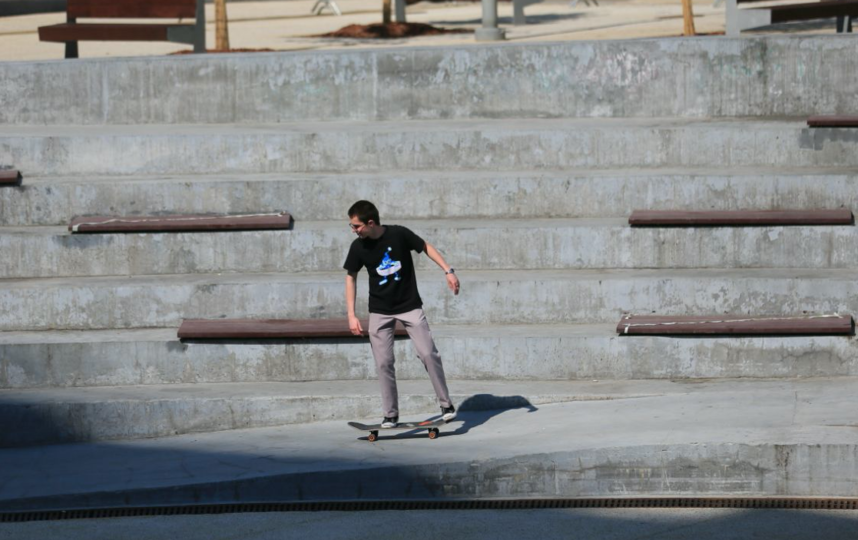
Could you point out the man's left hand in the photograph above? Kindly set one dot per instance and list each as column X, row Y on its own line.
column 453, row 283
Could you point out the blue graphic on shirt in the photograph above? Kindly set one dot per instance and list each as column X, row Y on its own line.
column 387, row 267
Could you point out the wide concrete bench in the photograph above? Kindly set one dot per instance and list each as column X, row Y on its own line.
column 238, row 329
column 738, row 218
column 844, row 121
column 10, row 177
column 745, row 19
column 181, row 223
column 833, row 324
column 72, row 31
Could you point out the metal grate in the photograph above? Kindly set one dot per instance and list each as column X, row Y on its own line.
column 480, row 504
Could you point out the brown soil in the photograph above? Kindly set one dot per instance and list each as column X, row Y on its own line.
column 223, row 51
column 390, row 31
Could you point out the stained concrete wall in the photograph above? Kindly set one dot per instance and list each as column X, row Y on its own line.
column 717, row 76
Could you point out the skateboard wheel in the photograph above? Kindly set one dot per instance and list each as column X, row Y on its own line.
column 433, row 433
column 373, row 436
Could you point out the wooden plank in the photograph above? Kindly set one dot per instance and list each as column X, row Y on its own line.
column 813, row 10
column 132, row 9
column 272, row 329
column 10, row 177
column 833, row 121
column 665, row 218
column 106, row 32
column 181, row 223
column 834, row 324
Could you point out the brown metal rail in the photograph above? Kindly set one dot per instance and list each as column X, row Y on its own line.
column 781, row 503
column 271, row 329
column 833, row 121
column 673, row 218
column 10, row 176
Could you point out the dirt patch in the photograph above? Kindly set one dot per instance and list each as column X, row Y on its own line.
column 392, row 30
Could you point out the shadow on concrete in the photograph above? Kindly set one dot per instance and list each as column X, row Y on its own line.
column 480, row 408
column 818, row 25
column 531, row 19
column 473, row 412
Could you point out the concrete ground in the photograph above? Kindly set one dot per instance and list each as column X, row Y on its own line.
column 287, row 25
column 604, row 524
column 702, row 438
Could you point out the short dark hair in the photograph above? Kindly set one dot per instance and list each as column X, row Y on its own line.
column 365, row 211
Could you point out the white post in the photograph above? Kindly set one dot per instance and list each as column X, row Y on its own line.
column 490, row 30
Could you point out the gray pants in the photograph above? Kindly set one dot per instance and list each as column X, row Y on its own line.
column 381, row 329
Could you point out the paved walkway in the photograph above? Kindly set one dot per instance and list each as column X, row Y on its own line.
column 286, row 25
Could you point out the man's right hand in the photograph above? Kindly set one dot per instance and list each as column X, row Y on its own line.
column 354, row 325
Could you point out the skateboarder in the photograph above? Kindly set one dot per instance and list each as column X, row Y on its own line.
column 385, row 252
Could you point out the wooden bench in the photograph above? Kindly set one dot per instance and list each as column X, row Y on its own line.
column 10, row 177
column 841, row 121
column 181, row 223
column 72, row 31
column 834, row 324
column 744, row 19
column 739, row 218
column 236, row 329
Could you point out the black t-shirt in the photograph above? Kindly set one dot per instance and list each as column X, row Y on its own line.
column 392, row 282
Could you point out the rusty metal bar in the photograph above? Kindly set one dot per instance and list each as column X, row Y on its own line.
column 673, row 218
column 271, row 329
column 10, row 177
column 833, row 121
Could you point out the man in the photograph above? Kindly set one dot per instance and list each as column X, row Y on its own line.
column 385, row 252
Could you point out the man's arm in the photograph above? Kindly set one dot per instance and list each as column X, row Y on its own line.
column 452, row 280
column 351, row 294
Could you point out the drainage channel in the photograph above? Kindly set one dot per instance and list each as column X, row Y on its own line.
column 788, row 503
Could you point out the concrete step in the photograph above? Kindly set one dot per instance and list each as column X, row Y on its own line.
column 498, row 297
column 62, row 415
column 470, row 352
column 55, row 200
column 452, row 145
column 523, row 244
column 716, row 438
column 706, row 77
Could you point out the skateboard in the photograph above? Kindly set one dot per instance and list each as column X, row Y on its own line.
column 431, row 425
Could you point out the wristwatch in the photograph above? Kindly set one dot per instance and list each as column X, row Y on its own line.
column 451, row 271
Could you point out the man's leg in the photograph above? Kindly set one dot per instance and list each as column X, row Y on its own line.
column 381, row 329
column 418, row 330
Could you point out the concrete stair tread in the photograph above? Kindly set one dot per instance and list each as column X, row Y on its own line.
column 557, row 352
column 536, row 275
column 426, row 224
column 169, row 334
column 488, row 296
column 397, row 126
column 543, row 391
column 464, row 145
column 403, row 194
column 328, row 225
column 710, row 77
column 751, row 429
column 286, row 177
column 469, row 244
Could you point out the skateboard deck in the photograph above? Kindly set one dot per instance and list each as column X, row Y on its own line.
column 374, row 429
